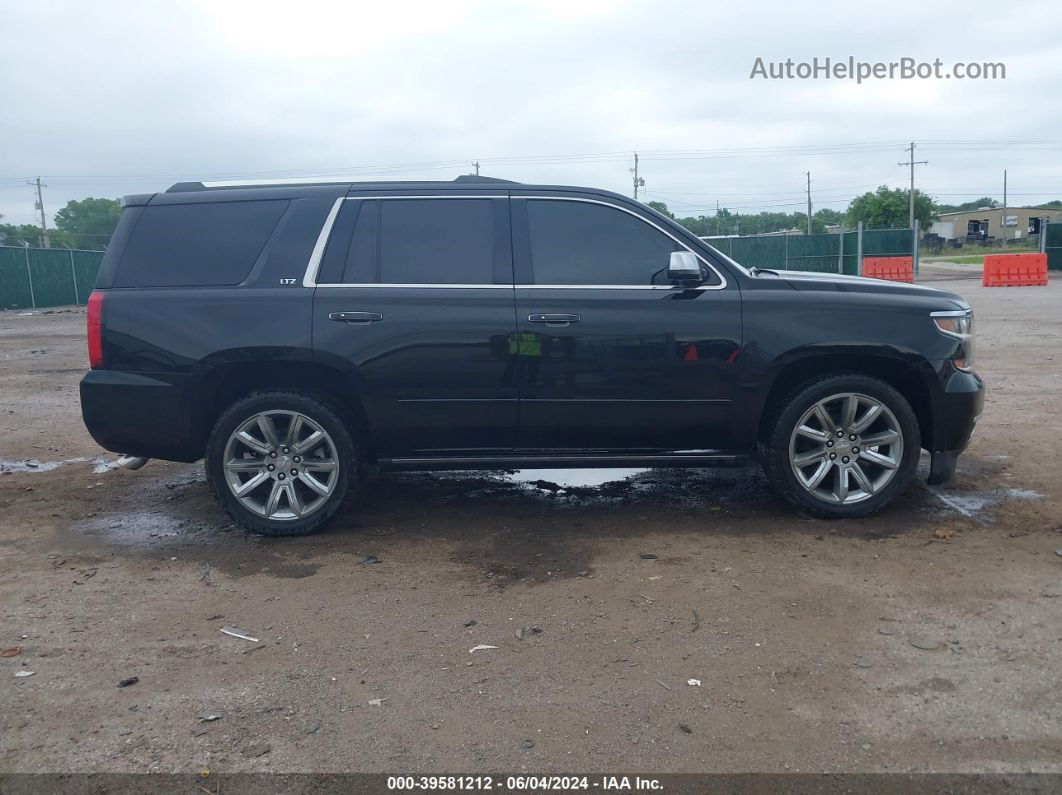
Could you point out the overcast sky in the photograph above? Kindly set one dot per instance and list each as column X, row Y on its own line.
column 107, row 98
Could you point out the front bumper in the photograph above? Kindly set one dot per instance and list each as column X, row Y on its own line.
column 139, row 415
column 955, row 416
column 957, row 410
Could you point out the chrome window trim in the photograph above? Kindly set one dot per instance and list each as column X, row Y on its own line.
column 424, row 286
column 309, row 278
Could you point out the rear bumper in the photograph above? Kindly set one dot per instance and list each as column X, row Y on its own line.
column 139, row 415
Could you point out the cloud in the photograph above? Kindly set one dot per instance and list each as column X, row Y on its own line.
column 111, row 98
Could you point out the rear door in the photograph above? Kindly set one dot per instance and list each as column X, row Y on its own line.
column 414, row 298
column 612, row 356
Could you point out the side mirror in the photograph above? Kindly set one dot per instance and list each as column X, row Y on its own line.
column 684, row 267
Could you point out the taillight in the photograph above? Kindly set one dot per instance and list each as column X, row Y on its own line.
column 95, row 330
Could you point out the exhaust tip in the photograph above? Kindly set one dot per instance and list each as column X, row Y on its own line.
column 132, row 461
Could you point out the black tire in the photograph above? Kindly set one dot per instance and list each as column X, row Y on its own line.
column 313, row 406
column 775, row 452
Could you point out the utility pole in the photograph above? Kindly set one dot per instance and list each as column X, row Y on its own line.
column 638, row 181
column 912, row 163
column 1003, row 218
column 808, row 173
column 476, row 164
column 40, row 206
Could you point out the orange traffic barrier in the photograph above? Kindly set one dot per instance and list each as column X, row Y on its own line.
column 895, row 269
column 1015, row 270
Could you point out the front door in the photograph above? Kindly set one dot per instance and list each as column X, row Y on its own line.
column 611, row 356
column 414, row 299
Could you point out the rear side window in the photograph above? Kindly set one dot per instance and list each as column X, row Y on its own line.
column 413, row 241
column 192, row 245
column 574, row 242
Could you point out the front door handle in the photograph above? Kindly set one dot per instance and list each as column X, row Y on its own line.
column 355, row 317
column 555, row 320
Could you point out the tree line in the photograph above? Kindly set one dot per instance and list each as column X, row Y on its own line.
column 87, row 224
column 884, row 208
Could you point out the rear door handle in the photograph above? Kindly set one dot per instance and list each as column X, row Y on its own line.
column 555, row 320
column 355, row 317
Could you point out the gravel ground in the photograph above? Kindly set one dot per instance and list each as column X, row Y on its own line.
column 927, row 638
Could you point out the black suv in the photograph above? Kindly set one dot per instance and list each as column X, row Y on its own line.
column 295, row 335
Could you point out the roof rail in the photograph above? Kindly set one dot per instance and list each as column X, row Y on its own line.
column 478, row 178
column 185, row 187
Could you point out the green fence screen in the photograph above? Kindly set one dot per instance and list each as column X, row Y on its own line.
column 39, row 277
column 1054, row 247
column 831, row 253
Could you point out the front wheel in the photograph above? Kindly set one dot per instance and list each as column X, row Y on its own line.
column 280, row 463
column 843, row 447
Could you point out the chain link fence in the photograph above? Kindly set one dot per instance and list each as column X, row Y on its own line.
column 39, row 277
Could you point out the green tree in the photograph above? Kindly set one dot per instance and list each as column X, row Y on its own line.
column 88, row 223
column 725, row 222
column 661, row 208
column 827, row 216
column 20, row 235
column 887, row 208
column 976, row 204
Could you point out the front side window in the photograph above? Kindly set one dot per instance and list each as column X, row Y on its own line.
column 412, row 241
column 575, row 242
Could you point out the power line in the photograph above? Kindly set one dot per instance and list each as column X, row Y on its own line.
column 855, row 147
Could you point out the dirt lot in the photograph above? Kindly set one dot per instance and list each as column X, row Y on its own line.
column 928, row 638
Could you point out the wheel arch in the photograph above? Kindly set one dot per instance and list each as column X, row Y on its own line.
column 907, row 376
column 225, row 383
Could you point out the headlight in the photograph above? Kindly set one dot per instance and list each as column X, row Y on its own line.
column 958, row 324
column 955, row 325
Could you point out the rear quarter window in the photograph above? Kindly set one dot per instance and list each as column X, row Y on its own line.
column 197, row 245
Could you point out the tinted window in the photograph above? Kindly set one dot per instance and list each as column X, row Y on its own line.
column 350, row 256
column 412, row 241
column 576, row 242
column 362, row 261
column 197, row 244
column 436, row 241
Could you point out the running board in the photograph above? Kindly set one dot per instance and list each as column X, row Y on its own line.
column 561, row 462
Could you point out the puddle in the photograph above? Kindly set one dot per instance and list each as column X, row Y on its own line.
column 100, row 465
column 150, row 528
column 1022, row 494
column 971, row 504
column 571, row 478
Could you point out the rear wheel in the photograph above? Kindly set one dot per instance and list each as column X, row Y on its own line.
column 843, row 447
column 280, row 463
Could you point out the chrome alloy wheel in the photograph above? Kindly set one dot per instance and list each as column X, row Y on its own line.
column 846, row 448
column 281, row 465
